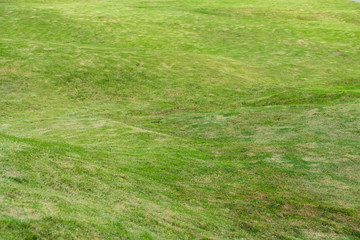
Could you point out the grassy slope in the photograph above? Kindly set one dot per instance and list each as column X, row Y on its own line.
column 181, row 119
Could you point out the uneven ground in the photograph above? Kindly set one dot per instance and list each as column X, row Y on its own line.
column 179, row 119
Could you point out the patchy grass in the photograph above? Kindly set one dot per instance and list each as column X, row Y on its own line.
column 179, row 119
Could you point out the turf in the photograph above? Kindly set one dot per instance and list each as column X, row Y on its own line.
column 179, row 119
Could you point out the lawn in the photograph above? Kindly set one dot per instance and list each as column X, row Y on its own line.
column 179, row 119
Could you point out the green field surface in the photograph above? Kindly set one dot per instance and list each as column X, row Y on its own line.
column 179, row 119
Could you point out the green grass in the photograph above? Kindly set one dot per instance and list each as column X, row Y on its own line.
column 179, row 119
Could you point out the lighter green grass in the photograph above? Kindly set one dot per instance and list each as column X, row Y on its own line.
column 223, row 119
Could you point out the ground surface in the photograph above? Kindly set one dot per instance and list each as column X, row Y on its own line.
column 180, row 119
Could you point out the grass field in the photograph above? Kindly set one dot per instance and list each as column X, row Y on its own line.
column 179, row 119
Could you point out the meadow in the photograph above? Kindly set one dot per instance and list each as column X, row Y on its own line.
column 179, row 119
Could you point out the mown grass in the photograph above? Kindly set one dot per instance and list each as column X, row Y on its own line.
column 180, row 119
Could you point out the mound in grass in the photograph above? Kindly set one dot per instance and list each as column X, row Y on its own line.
column 179, row 119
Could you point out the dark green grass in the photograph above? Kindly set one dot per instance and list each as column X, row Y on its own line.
column 179, row 119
